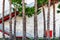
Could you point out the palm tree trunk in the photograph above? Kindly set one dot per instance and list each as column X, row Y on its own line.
column 3, row 18
column 10, row 21
column 35, row 22
column 15, row 25
column 44, row 22
column 48, row 20
column 53, row 19
column 24, row 20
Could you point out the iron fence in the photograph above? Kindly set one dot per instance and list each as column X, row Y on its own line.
column 13, row 37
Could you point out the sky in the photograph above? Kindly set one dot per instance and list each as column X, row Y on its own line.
column 29, row 1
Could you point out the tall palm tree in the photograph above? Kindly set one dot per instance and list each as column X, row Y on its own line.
column 48, row 20
column 35, row 23
column 54, row 20
column 24, row 20
column 10, row 21
column 3, row 18
column 15, row 25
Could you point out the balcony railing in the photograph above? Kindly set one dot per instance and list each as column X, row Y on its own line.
column 24, row 37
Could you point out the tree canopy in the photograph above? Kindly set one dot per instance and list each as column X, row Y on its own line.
column 40, row 2
column 29, row 10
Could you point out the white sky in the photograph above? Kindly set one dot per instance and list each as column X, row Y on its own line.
column 29, row 1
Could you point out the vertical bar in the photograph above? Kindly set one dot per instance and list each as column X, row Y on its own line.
column 44, row 22
column 54, row 20
column 48, row 20
column 24, row 20
column 35, row 23
column 10, row 21
column 15, row 25
column 3, row 18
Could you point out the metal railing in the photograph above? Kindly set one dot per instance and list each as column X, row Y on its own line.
column 24, row 21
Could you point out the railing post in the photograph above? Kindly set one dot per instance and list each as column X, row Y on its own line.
column 35, row 22
column 24, row 20
column 10, row 21
column 48, row 20
column 15, row 25
column 44, row 22
column 3, row 18
column 54, row 20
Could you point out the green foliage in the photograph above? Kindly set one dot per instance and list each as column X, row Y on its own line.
column 29, row 10
column 40, row 2
column 16, row 1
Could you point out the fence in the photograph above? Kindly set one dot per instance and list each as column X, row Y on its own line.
column 13, row 37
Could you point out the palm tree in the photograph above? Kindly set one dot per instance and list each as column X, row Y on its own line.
column 3, row 18
column 35, row 22
column 48, row 19
column 24, row 20
column 10, row 21
column 54, row 20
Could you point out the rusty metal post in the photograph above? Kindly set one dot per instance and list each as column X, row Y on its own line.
column 54, row 25
column 48, row 20
column 44, row 22
column 35, row 23
column 15, row 25
column 10, row 20
column 24, row 20
column 3, row 18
